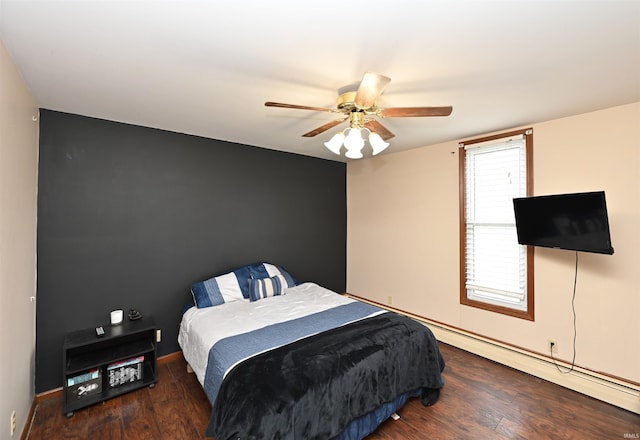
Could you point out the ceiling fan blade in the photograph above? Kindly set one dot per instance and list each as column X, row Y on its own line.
column 324, row 128
column 299, row 107
column 377, row 127
column 370, row 88
column 407, row 112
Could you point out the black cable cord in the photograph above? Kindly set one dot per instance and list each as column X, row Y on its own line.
column 575, row 332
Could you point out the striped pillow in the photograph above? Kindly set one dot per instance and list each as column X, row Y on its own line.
column 268, row 270
column 260, row 288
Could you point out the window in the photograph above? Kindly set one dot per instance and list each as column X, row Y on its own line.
column 496, row 273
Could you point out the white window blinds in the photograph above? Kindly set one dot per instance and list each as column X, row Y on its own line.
column 496, row 265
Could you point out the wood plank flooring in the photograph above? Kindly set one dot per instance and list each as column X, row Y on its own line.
column 481, row 400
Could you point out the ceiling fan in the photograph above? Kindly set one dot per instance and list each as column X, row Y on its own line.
column 358, row 106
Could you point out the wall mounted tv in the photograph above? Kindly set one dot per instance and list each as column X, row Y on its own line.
column 577, row 221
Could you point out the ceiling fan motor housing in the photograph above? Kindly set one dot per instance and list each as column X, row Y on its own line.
column 346, row 103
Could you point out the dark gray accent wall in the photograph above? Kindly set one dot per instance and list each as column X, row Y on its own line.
column 130, row 217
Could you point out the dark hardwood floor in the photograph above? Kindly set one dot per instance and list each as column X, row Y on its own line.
column 481, row 400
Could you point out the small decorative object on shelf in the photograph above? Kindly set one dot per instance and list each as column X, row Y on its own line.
column 134, row 315
column 116, row 317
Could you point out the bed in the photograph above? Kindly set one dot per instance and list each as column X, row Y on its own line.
column 282, row 360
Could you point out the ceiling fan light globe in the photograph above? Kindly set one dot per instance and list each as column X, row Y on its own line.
column 354, row 140
column 354, row 144
column 354, row 154
column 377, row 143
column 335, row 143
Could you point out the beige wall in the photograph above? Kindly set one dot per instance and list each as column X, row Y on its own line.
column 18, row 201
column 402, row 241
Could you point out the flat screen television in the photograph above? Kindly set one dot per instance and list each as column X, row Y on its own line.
column 577, row 221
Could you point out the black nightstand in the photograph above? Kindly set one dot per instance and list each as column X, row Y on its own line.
column 95, row 368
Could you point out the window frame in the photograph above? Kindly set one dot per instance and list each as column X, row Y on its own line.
column 529, row 314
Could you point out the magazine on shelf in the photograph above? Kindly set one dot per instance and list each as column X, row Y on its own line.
column 125, row 363
column 90, row 375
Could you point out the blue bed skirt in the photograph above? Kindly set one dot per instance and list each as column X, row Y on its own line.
column 365, row 425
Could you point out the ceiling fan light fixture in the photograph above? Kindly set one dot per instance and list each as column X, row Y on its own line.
column 377, row 143
column 335, row 143
column 354, row 142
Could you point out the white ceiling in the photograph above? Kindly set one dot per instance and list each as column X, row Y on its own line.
column 207, row 67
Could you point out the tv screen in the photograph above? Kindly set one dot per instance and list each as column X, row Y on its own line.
column 576, row 222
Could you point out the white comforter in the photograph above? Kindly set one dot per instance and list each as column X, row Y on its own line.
column 200, row 329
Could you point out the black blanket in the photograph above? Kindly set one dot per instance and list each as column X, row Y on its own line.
column 313, row 388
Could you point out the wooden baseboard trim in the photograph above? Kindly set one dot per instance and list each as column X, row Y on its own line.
column 171, row 357
column 48, row 395
column 26, row 429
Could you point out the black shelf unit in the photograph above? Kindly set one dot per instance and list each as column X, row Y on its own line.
column 84, row 353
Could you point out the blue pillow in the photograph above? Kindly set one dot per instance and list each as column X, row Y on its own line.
column 206, row 294
column 260, row 288
column 220, row 289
